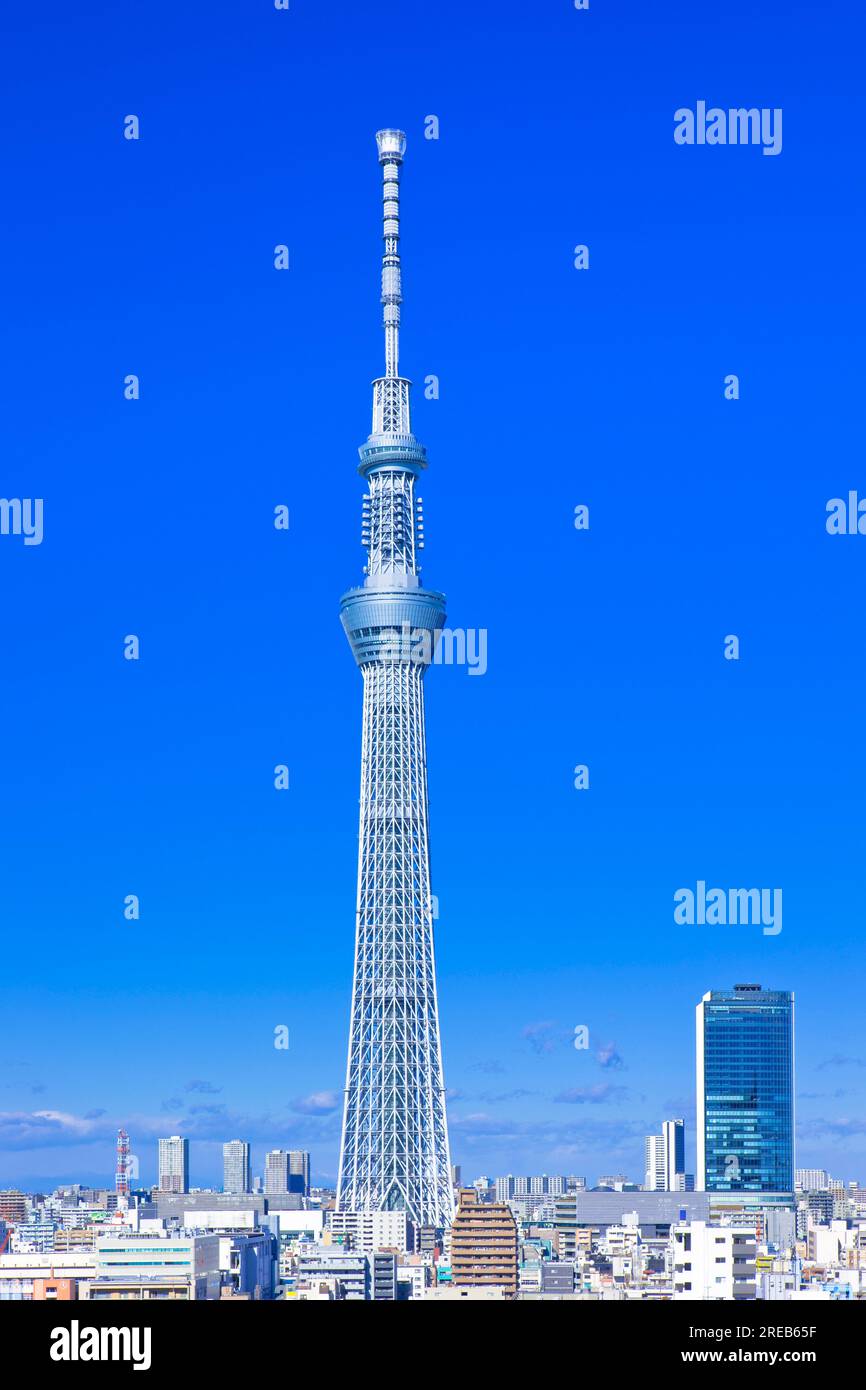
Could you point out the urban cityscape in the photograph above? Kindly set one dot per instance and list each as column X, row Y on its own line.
column 746, row 1227
column 358, row 1173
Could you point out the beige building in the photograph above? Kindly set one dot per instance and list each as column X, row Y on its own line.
column 484, row 1245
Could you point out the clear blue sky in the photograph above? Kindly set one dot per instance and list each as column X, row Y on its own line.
column 558, row 387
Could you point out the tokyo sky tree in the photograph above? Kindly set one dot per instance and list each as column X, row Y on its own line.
column 394, row 1152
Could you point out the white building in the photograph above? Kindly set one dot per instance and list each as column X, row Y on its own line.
column 811, row 1180
column 150, row 1265
column 236, row 1166
column 713, row 1262
column 17, row 1272
column 416, row 1276
column 371, row 1230
column 277, row 1171
column 174, row 1164
column 665, row 1159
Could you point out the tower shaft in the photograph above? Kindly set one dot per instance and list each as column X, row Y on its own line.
column 394, row 1151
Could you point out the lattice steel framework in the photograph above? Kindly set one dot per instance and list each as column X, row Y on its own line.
column 394, row 1152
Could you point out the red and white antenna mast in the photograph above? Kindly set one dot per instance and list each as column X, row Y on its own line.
column 121, row 1179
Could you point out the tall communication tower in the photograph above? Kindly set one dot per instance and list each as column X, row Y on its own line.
column 394, row 1152
column 121, row 1176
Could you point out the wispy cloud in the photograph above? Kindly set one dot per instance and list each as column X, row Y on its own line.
column 204, row 1088
column 830, row 1131
column 592, row 1095
column 319, row 1103
column 20, row 1129
column 519, row 1142
column 838, row 1094
column 839, row 1061
column 545, row 1037
column 313, row 1122
column 497, row 1098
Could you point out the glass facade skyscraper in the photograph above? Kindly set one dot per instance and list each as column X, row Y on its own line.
column 745, row 1090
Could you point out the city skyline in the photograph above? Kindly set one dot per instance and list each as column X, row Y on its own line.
column 673, row 1149
column 605, row 388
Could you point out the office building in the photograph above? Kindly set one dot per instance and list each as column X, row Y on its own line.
column 745, row 1090
column 156, row 1266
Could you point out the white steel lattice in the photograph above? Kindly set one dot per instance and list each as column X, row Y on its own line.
column 394, row 1152
column 395, row 1144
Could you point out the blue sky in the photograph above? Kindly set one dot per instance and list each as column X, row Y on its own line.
column 558, row 387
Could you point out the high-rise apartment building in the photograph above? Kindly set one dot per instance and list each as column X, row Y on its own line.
column 394, row 1149
column 666, row 1158
column 174, row 1164
column 812, row 1180
column 236, row 1166
column 484, row 1244
column 277, row 1171
column 299, row 1171
column 745, row 1090
column 13, row 1205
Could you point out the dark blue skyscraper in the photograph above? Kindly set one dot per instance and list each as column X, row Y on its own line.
column 745, row 1083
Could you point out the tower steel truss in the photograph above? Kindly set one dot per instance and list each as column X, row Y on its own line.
column 394, row 1151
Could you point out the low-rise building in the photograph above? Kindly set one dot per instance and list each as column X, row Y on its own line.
column 713, row 1262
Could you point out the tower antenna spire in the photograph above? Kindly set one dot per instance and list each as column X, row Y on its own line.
column 391, row 392
column 392, row 146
